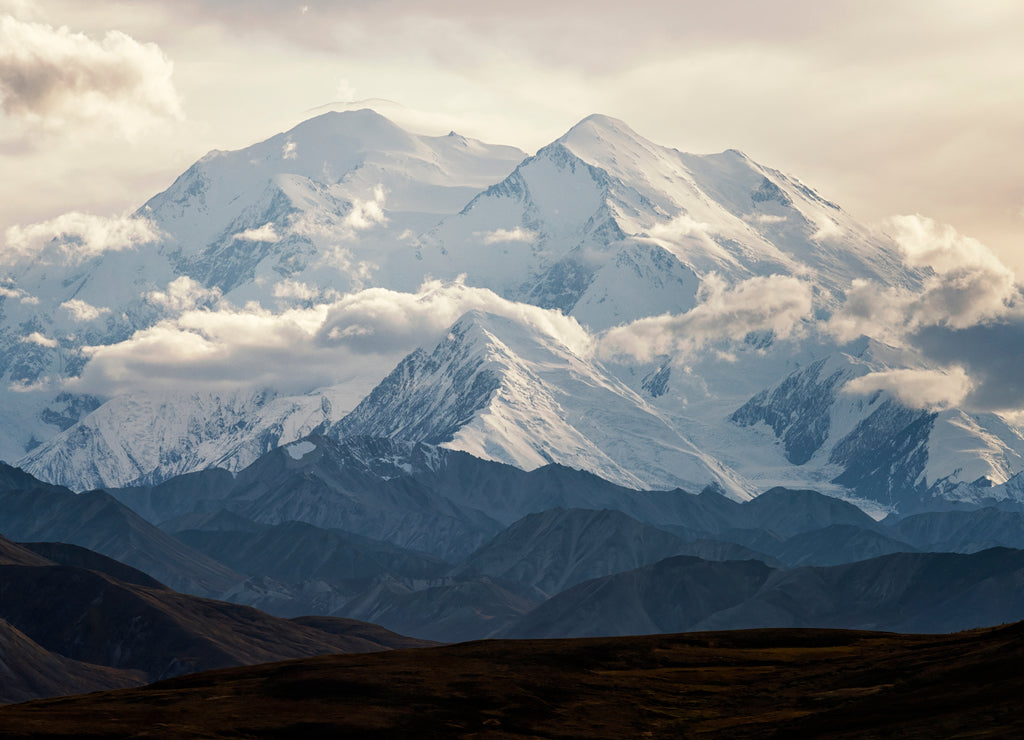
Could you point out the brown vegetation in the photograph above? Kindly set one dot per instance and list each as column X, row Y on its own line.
column 756, row 683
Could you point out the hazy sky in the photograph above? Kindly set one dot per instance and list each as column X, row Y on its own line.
column 894, row 107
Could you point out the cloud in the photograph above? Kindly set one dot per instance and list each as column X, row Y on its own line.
column 964, row 284
column 991, row 356
column 54, row 78
column 777, row 303
column 363, row 214
column 75, row 237
column 294, row 289
column 9, row 291
column 290, row 150
column 765, row 218
column 366, row 213
column 967, row 317
column 678, row 228
column 265, row 233
column 827, row 229
column 184, row 294
column 499, row 236
column 357, row 338
column 82, row 311
column 918, row 388
column 37, row 338
column 382, row 320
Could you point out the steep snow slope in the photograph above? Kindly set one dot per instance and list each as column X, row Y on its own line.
column 610, row 227
column 503, row 391
column 325, row 204
column 148, row 437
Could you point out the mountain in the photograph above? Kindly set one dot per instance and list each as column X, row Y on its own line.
column 325, row 204
column 962, row 531
column 609, row 227
column 556, row 549
column 30, row 671
column 497, row 390
column 672, row 595
column 145, row 437
column 97, row 521
column 600, row 225
column 293, row 552
column 874, row 446
column 907, row 592
column 81, row 619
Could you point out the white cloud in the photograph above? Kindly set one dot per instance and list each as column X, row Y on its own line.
column 54, row 78
column 679, row 227
column 827, row 229
column 82, row 311
column 363, row 214
column 294, row 289
column 74, row 237
column 37, row 338
column 499, row 236
column 378, row 319
column 184, row 294
column 360, row 335
column 367, row 213
column 777, row 303
column 8, row 291
column 765, row 218
column 265, row 233
column 290, row 150
column 966, row 285
column 917, row 388
column 342, row 260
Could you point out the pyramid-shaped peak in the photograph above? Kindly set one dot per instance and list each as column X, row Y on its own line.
column 365, row 126
column 599, row 128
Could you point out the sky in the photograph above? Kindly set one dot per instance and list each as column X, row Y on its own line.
column 896, row 107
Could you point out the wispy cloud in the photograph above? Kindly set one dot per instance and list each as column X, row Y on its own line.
column 500, row 236
column 359, row 336
column 74, row 237
column 82, row 311
column 777, row 303
column 265, row 233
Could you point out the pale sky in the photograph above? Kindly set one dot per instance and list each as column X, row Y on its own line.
column 895, row 107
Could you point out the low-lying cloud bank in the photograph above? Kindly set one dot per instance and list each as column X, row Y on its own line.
column 780, row 304
column 967, row 319
column 210, row 343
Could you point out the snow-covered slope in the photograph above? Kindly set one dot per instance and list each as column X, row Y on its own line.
column 330, row 206
column 873, row 445
column 601, row 224
column 505, row 391
column 610, row 227
column 144, row 438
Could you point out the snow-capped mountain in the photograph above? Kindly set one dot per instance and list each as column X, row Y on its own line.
column 608, row 227
column 600, row 228
column 504, row 391
column 142, row 438
column 327, row 207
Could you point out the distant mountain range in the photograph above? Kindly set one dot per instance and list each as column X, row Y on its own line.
column 441, row 545
column 548, row 258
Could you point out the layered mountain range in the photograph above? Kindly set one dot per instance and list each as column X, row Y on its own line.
column 608, row 304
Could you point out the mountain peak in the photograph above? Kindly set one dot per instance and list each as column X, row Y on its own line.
column 598, row 131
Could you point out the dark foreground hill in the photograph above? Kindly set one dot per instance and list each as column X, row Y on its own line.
column 750, row 684
column 73, row 620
